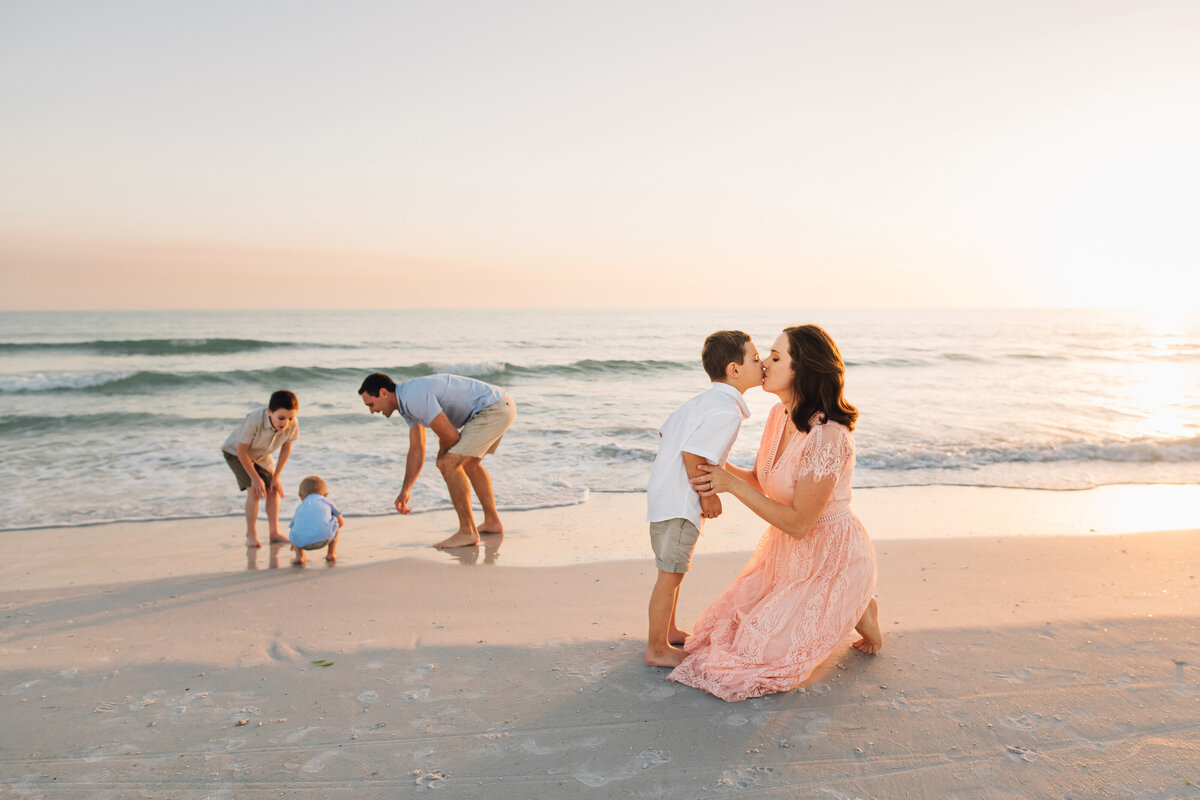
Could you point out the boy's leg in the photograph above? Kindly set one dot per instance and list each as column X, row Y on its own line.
column 273, row 517
column 481, row 482
column 451, row 467
column 252, row 520
column 664, row 596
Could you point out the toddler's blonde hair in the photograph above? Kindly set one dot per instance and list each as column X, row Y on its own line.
column 312, row 485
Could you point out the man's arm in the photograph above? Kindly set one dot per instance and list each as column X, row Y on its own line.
column 447, row 434
column 708, row 509
column 412, row 466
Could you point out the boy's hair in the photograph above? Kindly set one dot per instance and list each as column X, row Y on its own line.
column 283, row 399
column 312, row 485
column 376, row 381
column 721, row 348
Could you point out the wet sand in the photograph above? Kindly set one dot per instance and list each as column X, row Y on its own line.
column 147, row 660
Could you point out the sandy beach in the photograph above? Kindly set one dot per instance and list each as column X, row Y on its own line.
column 162, row 660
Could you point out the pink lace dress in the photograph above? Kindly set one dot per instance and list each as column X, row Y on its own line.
column 796, row 599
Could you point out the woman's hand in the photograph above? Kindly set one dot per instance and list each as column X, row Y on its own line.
column 713, row 480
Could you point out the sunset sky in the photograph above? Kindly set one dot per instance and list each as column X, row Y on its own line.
column 625, row 154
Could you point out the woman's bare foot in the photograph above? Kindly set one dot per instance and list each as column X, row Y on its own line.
column 678, row 637
column 669, row 657
column 459, row 539
column 868, row 627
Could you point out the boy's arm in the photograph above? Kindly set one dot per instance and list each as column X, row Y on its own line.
column 412, row 466
column 708, row 509
column 284, row 452
column 256, row 485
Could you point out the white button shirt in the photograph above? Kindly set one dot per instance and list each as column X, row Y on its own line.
column 706, row 426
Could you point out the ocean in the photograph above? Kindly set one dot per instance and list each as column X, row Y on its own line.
column 108, row 416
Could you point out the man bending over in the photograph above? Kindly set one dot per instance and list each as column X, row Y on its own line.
column 469, row 418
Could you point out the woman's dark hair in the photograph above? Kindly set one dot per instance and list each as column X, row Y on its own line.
column 819, row 377
column 283, row 399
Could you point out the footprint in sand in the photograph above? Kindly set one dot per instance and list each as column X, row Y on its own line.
column 419, row 672
column 282, row 651
column 1024, row 722
column 1021, row 753
column 368, row 697
column 1019, row 675
column 736, row 780
column 429, row 780
column 647, row 759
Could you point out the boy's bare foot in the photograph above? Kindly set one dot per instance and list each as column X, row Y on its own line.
column 678, row 637
column 459, row 539
column 252, row 540
column 667, row 657
column 278, row 538
column 487, row 528
column 868, row 627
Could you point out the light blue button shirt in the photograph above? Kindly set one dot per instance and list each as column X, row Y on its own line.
column 315, row 521
column 422, row 399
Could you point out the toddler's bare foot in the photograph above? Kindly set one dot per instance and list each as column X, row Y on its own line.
column 868, row 627
column 459, row 539
column 298, row 561
column 252, row 540
column 678, row 637
column 330, row 557
column 665, row 657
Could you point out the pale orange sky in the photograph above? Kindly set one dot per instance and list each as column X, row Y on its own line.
column 222, row 155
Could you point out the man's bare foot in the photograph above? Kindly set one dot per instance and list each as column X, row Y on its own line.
column 252, row 540
column 868, row 627
column 678, row 637
column 459, row 539
column 669, row 657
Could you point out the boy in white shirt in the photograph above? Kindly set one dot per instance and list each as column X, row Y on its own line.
column 702, row 430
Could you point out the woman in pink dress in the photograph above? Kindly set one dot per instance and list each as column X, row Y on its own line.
column 811, row 579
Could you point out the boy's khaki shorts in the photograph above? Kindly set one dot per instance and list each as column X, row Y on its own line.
column 482, row 434
column 243, row 478
column 673, row 541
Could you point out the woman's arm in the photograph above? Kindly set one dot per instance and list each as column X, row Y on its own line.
column 795, row 520
column 748, row 475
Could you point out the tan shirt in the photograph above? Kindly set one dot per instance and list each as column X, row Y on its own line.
column 257, row 433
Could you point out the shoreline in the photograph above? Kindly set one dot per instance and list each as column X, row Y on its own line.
column 608, row 527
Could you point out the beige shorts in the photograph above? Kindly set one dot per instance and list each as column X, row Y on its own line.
column 482, row 434
column 673, row 541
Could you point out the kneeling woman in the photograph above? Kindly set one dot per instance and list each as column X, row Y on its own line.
column 811, row 579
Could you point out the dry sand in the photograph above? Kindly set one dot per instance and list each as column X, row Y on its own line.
column 146, row 660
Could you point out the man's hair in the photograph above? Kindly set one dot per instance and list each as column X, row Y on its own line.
column 312, row 485
column 283, row 399
column 721, row 348
column 376, row 381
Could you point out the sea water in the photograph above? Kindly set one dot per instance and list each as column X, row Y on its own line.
column 121, row 415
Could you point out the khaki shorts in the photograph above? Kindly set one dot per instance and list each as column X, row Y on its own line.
column 673, row 541
column 483, row 432
column 243, row 478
